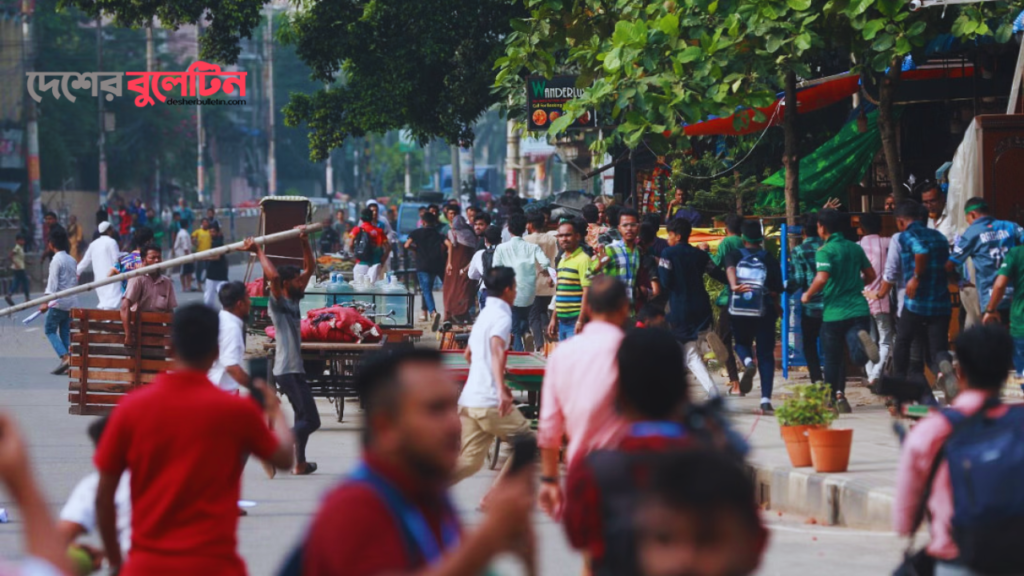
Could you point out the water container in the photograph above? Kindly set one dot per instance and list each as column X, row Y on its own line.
column 396, row 302
column 752, row 271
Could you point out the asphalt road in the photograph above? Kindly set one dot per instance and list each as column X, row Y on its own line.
column 61, row 454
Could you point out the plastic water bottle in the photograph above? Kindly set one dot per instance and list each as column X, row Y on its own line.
column 396, row 300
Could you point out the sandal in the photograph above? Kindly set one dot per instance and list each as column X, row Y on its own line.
column 307, row 469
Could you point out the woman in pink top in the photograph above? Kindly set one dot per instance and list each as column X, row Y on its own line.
column 877, row 248
column 985, row 354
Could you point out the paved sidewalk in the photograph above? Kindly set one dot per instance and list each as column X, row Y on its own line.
column 861, row 497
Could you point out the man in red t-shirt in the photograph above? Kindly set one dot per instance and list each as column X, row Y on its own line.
column 652, row 396
column 184, row 443
column 393, row 514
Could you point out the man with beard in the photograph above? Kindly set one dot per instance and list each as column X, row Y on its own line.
column 287, row 287
column 151, row 292
column 393, row 515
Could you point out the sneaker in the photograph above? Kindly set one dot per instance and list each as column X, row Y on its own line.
column 870, row 348
column 766, row 408
column 435, row 322
column 842, row 404
column 10, row 301
column 747, row 380
column 718, row 348
column 62, row 368
column 947, row 380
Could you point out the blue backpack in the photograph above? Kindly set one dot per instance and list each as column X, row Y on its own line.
column 986, row 468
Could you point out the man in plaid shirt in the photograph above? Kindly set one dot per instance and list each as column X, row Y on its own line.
column 622, row 258
column 804, row 269
column 926, row 307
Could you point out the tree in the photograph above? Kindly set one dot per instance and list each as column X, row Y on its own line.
column 425, row 66
column 883, row 33
column 649, row 67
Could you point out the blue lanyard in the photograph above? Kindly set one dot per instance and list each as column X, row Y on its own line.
column 663, row 429
column 412, row 521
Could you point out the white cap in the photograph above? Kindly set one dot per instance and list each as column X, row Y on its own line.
column 104, row 226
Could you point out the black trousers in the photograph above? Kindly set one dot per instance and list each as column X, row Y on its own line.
column 911, row 326
column 810, row 328
column 539, row 319
column 307, row 419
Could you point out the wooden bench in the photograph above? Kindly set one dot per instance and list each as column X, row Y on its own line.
column 103, row 370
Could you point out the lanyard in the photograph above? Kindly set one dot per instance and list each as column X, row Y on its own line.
column 664, row 429
column 412, row 521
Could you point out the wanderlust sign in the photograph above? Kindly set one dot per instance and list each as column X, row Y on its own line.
column 546, row 99
column 200, row 79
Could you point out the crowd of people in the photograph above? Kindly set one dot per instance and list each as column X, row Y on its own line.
column 643, row 478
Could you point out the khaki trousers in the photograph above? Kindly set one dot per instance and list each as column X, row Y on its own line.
column 480, row 426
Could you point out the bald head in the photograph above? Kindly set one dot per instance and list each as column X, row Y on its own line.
column 607, row 300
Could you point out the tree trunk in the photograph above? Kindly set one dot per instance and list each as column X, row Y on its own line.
column 791, row 158
column 887, row 127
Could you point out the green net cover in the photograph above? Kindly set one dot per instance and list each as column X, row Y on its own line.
column 829, row 170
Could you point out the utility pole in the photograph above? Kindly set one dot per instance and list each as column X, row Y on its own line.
column 151, row 67
column 512, row 156
column 456, row 173
column 200, row 176
column 271, row 160
column 330, row 166
column 102, row 125
column 35, row 194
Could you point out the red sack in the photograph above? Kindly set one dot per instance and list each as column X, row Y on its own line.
column 336, row 324
column 256, row 288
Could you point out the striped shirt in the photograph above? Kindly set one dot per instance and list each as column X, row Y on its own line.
column 573, row 277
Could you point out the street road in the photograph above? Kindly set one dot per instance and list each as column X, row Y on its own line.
column 61, row 454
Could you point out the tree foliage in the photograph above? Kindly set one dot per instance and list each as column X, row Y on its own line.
column 651, row 67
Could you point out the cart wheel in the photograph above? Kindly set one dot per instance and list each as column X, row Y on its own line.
column 339, row 407
column 495, row 453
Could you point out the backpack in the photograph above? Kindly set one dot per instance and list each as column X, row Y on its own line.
column 752, row 271
column 986, row 462
column 362, row 245
column 487, row 259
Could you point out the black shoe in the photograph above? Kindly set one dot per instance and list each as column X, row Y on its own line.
column 869, row 345
column 61, row 369
column 766, row 408
column 10, row 301
column 842, row 404
column 747, row 380
column 435, row 322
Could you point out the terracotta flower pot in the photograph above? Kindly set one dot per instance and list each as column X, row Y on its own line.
column 830, row 449
column 797, row 445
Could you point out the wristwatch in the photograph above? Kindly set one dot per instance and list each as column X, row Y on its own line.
column 549, row 480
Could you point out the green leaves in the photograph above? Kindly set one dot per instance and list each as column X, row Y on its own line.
column 799, row 5
column 690, row 54
column 669, row 25
column 872, row 28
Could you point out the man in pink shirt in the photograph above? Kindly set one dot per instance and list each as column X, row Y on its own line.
column 578, row 394
column 985, row 357
column 876, row 247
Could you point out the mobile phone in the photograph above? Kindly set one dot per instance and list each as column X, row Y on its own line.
column 524, row 452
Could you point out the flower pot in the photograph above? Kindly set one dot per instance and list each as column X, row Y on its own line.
column 797, row 445
column 830, row 449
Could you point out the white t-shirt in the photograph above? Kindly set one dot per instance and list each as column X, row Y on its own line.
column 232, row 349
column 481, row 391
column 81, row 507
column 182, row 244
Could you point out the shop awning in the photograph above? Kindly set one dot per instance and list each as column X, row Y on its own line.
column 812, row 98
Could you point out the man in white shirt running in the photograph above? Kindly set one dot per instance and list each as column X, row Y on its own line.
column 523, row 258
column 102, row 255
column 486, row 406
column 227, row 372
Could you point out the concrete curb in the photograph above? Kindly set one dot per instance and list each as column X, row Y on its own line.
column 831, row 500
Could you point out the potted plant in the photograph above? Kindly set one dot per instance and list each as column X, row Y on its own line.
column 807, row 409
column 830, row 449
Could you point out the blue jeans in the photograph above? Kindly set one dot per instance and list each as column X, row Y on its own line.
column 1018, row 356
column 835, row 335
column 20, row 281
column 759, row 333
column 58, row 330
column 566, row 328
column 483, row 297
column 520, row 327
column 426, row 280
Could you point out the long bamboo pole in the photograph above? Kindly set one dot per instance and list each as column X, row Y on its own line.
column 261, row 240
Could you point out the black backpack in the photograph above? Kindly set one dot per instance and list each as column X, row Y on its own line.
column 362, row 245
column 487, row 258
